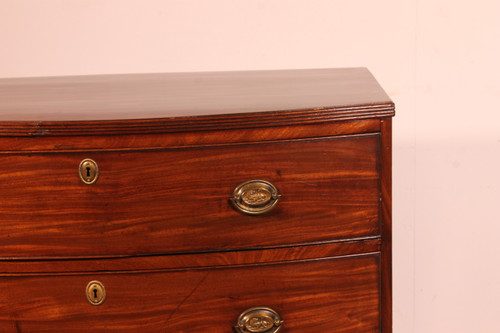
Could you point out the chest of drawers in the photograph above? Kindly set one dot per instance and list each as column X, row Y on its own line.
column 251, row 202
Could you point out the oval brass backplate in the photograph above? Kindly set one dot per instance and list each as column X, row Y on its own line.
column 259, row 320
column 95, row 292
column 88, row 171
column 255, row 197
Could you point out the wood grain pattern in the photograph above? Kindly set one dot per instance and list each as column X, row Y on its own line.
column 217, row 97
column 331, row 295
column 157, row 228
column 200, row 123
column 72, row 143
column 386, row 222
column 177, row 200
column 135, row 263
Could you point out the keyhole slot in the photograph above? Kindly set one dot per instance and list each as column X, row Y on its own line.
column 88, row 172
column 95, row 293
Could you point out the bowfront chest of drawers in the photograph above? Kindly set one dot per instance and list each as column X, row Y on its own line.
column 250, row 202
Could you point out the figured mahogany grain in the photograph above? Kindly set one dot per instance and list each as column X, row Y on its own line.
column 190, row 260
column 169, row 201
column 330, row 295
column 223, row 136
column 157, row 228
column 386, row 224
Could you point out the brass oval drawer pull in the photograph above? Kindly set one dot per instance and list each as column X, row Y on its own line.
column 259, row 320
column 255, row 197
column 95, row 292
column 88, row 171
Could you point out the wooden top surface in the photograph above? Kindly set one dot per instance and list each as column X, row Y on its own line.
column 48, row 100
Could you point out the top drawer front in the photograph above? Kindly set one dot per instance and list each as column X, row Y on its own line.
column 164, row 201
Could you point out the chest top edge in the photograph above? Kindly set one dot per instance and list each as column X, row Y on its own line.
column 185, row 102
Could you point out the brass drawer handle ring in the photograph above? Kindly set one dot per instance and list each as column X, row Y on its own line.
column 255, row 197
column 259, row 320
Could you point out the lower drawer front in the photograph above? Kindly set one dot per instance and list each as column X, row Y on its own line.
column 325, row 295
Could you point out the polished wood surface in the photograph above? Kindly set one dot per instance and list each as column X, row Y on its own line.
column 176, row 200
column 328, row 295
column 157, row 228
column 146, row 96
column 386, row 224
column 138, row 263
column 199, row 123
column 125, row 142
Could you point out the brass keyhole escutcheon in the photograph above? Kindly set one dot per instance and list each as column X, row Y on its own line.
column 88, row 171
column 96, row 294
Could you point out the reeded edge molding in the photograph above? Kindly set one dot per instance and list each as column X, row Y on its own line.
column 196, row 123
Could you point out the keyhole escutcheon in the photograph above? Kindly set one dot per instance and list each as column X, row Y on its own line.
column 88, row 171
column 96, row 293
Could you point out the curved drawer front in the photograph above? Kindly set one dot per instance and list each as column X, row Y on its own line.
column 178, row 200
column 329, row 295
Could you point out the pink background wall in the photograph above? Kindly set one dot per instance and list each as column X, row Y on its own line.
column 437, row 59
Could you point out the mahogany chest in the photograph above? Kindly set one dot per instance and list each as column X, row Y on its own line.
column 250, row 202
